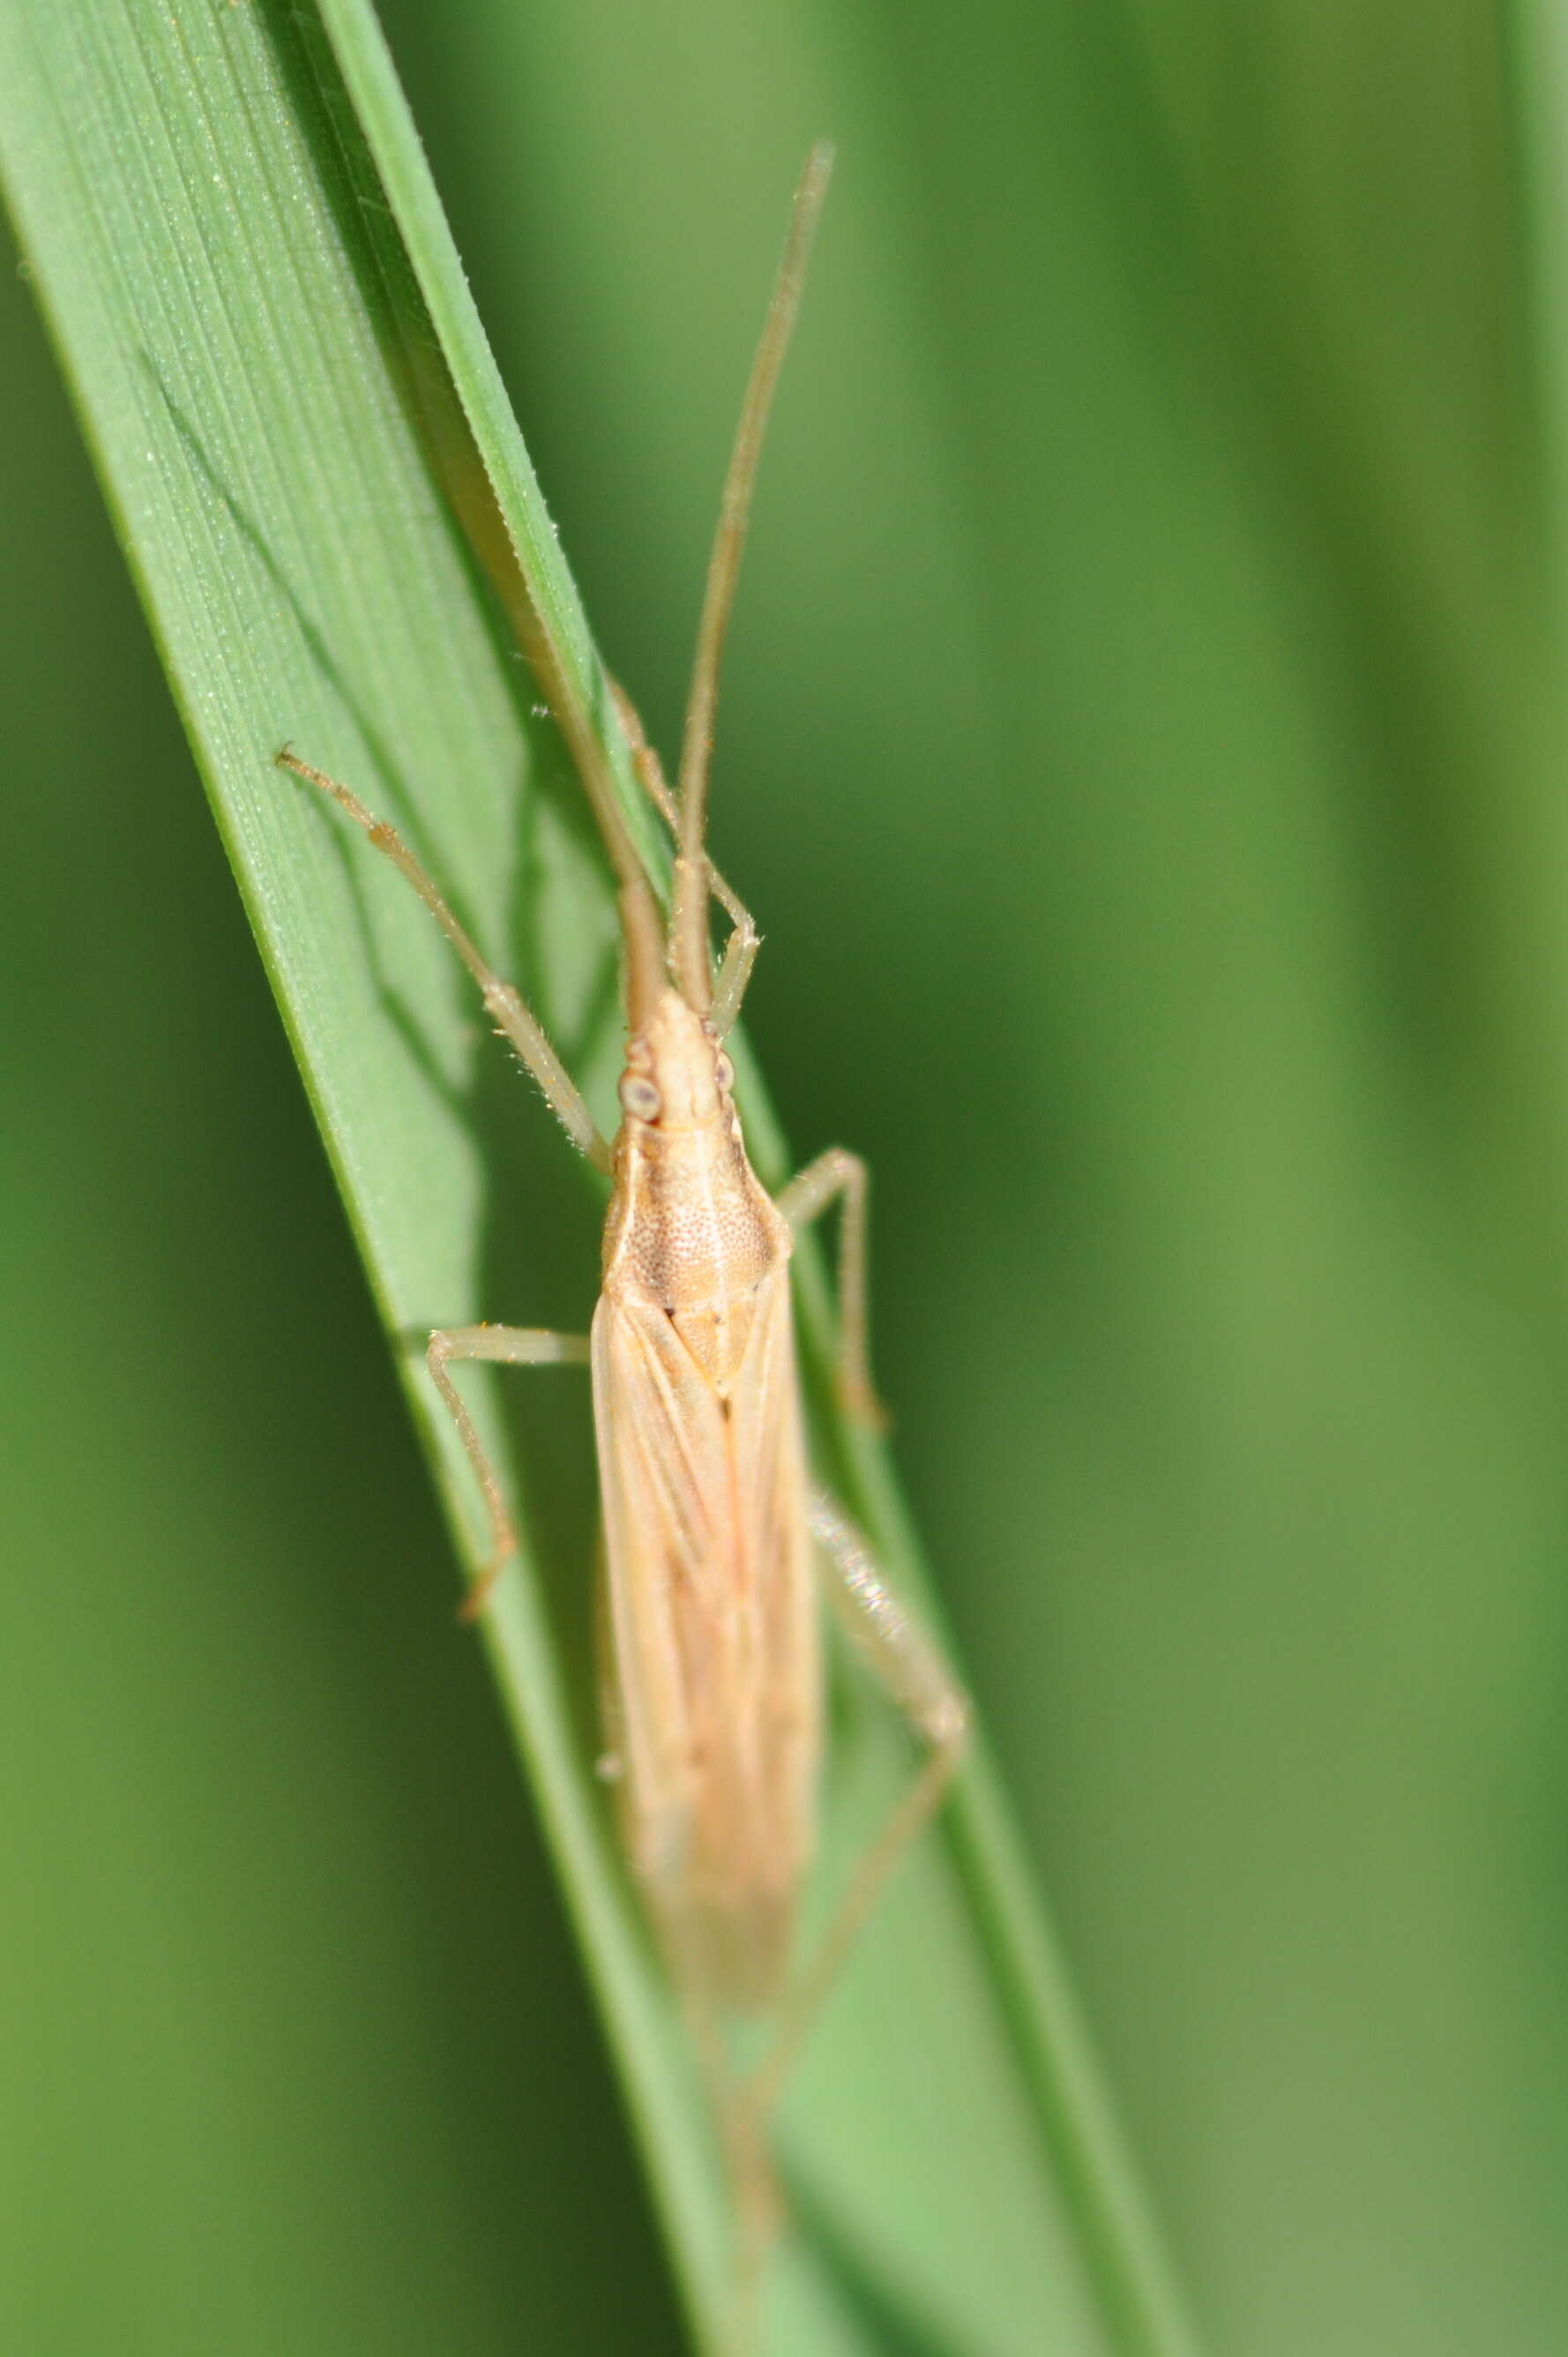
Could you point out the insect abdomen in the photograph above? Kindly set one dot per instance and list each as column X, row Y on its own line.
column 714, row 1638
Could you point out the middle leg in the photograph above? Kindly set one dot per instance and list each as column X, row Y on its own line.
column 510, row 1346
column 806, row 1198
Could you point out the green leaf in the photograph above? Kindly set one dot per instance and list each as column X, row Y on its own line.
column 264, row 322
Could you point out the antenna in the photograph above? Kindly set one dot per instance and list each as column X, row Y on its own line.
column 689, row 921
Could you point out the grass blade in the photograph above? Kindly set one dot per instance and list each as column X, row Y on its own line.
column 257, row 321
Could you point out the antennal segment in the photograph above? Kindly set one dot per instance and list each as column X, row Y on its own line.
column 689, row 925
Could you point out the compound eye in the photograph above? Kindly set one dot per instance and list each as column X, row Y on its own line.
column 639, row 1096
column 724, row 1071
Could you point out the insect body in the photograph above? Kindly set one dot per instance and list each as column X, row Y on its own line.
column 703, row 1471
column 713, row 1531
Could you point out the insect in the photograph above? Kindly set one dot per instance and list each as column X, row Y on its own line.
column 713, row 1529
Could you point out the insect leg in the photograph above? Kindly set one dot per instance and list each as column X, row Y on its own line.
column 513, row 1346
column 757, row 2202
column 745, row 941
column 905, row 1663
column 806, row 1198
column 735, row 966
column 523, row 1030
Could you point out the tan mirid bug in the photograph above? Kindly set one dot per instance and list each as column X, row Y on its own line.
column 714, row 1530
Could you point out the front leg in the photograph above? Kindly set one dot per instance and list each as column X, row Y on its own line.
column 513, row 1019
column 745, row 941
column 510, row 1346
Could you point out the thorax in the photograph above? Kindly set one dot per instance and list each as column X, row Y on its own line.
column 691, row 1231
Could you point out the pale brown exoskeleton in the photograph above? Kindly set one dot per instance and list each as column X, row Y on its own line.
column 713, row 1529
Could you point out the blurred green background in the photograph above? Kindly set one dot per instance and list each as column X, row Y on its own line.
column 1144, row 748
